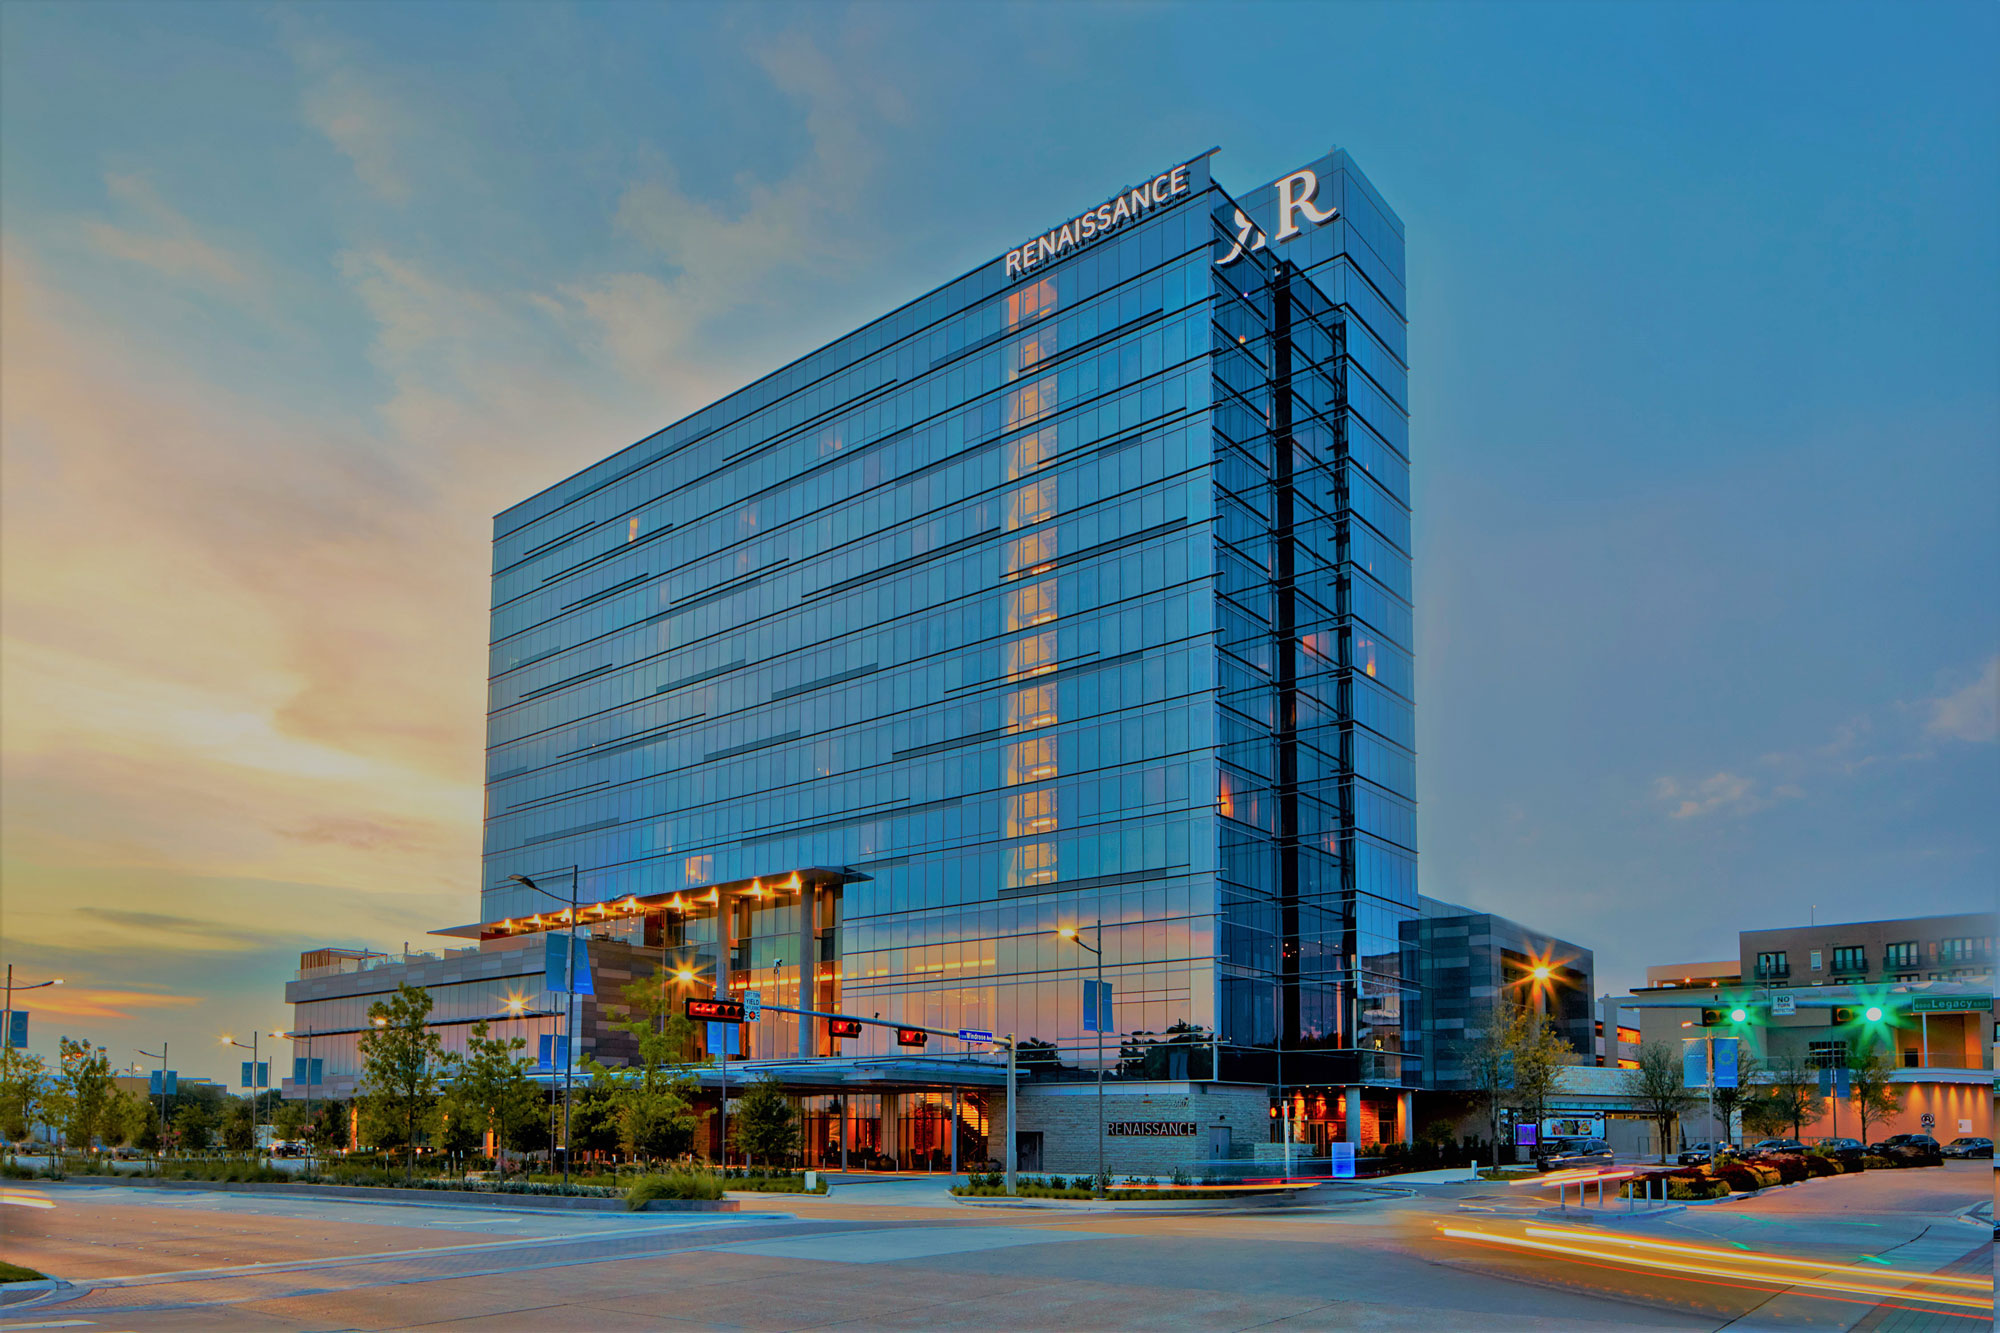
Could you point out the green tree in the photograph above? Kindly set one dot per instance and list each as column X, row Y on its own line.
column 127, row 1118
column 1875, row 1098
column 84, row 1093
column 401, row 1059
column 1792, row 1094
column 1540, row 1055
column 328, row 1127
column 193, row 1126
column 1487, row 1057
column 1656, row 1086
column 239, row 1127
column 652, row 1102
column 764, row 1123
column 288, row 1119
column 25, row 1085
column 490, row 1088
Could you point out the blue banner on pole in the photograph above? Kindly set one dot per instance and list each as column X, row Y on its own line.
column 1097, row 1007
column 1840, row 1084
column 1694, row 1065
column 1725, row 1062
column 246, row 1074
column 308, row 1071
column 1825, row 1081
column 722, row 1037
column 551, row 1051
column 555, row 965
column 17, row 1029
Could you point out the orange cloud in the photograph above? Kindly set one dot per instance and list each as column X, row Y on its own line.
column 90, row 1002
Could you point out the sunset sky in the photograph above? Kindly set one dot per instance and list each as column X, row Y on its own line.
column 1705, row 333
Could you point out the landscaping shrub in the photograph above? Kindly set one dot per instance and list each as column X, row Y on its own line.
column 676, row 1183
column 1790, row 1166
column 1698, row 1188
column 1820, row 1164
column 1874, row 1163
column 1745, row 1177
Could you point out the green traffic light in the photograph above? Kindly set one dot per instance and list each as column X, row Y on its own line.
column 1873, row 1013
column 1739, row 1015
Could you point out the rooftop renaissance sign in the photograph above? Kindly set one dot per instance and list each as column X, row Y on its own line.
column 1152, row 1129
column 1095, row 225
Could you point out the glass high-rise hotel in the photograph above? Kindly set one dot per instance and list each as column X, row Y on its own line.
column 1078, row 589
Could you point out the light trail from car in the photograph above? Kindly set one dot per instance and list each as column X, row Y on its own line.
column 1830, row 1280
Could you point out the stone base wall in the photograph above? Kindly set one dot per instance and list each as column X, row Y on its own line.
column 1065, row 1115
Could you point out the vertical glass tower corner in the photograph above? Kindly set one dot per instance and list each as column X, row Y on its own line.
column 1077, row 589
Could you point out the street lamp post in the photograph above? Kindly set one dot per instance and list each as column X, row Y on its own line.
column 308, row 1034
column 254, row 1111
column 569, row 998
column 162, row 1058
column 1096, row 1021
column 8, row 1036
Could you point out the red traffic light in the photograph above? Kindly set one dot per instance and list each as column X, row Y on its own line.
column 844, row 1027
column 716, row 1011
column 912, row 1037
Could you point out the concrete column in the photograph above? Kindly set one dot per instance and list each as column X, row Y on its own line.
column 808, row 970
column 1354, row 1116
column 1406, row 1116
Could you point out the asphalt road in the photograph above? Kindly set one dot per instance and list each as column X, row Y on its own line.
column 1833, row 1254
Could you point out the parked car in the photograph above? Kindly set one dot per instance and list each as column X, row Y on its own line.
column 1918, row 1148
column 1697, row 1154
column 1968, row 1147
column 1847, row 1150
column 1774, row 1145
column 1569, row 1154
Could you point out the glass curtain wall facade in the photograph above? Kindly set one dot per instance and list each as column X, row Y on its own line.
column 1069, row 592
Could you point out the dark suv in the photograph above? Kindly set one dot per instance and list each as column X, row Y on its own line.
column 1569, row 1154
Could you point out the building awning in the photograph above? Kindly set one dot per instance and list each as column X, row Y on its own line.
column 690, row 901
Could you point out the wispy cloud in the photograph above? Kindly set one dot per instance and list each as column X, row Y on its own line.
column 1719, row 793
column 1961, row 713
column 166, row 241
column 1971, row 712
column 358, row 115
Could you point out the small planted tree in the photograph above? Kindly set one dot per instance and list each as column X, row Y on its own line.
column 491, row 1091
column 1656, row 1086
column 1540, row 1055
column 401, row 1059
column 650, row 1106
column 239, row 1130
column 25, row 1086
column 765, row 1124
column 1793, row 1094
column 193, row 1127
column 84, row 1093
column 1488, row 1059
column 1875, row 1098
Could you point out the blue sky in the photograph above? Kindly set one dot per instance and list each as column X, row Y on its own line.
column 1705, row 333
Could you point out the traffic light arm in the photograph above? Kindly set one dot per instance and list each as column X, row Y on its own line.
column 997, row 1041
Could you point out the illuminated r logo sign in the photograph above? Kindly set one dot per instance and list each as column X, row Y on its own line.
column 1295, row 196
column 1296, row 193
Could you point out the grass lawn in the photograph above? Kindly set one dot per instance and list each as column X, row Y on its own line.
column 16, row 1273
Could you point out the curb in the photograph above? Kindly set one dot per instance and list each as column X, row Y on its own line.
column 390, row 1194
column 1288, row 1198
